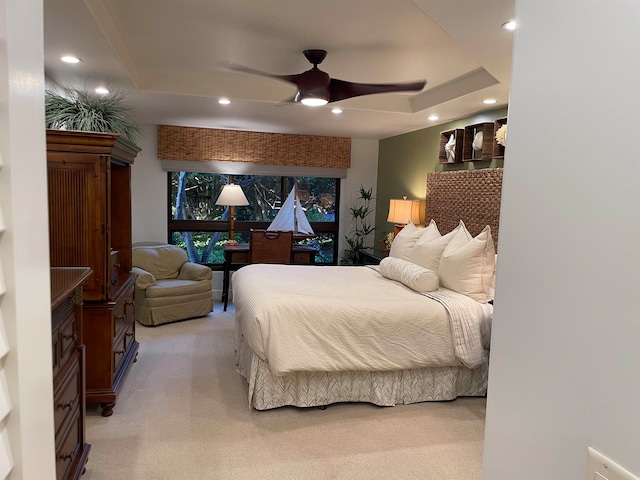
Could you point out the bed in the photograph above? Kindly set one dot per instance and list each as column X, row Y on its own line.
column 389, row 334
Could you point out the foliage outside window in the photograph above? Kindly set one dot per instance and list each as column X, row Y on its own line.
column 201, row 227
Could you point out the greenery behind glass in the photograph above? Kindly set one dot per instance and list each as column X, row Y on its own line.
column 193, row 197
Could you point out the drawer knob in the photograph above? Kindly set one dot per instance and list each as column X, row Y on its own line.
column 129, row 334
column 129, row 301
column 119, row 352
column 73, row 336
column 66, row 456
column 66, row 405
column 120, row 318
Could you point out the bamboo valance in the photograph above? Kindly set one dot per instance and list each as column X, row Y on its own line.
column 210, row 144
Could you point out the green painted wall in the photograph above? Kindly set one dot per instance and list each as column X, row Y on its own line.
column 404, row 160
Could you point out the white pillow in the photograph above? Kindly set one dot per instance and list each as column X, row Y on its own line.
column 492, row 286
column 413, row 276
column 467, row 266
column 404, row 241
column 429, row 248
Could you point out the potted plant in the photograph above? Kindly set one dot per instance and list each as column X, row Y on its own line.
column 356, row 241
column 80, row 110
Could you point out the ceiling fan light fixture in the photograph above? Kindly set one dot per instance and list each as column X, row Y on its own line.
column 314, row 101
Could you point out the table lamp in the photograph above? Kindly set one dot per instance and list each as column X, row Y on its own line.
column 232, row 196
column 402, row 212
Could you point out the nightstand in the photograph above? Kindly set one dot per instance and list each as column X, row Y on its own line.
column 372, row 257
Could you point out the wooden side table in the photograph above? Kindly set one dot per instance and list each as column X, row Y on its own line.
column 373, row 257
column 237, row 256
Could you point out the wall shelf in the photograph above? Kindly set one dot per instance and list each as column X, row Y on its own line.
column 445, row 136
column 485, row 153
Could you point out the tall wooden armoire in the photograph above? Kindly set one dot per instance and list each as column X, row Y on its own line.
column 89, row 178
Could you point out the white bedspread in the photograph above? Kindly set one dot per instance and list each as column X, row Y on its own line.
column 318, row 318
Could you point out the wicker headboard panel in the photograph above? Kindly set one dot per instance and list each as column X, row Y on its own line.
column 472, row 196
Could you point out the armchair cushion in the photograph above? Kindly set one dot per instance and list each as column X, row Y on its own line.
column 175, row 288
column 163, row 261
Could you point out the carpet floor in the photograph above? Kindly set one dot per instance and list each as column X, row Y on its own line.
column 183, row 414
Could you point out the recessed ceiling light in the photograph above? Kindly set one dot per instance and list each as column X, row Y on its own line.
column 102, row 90
column 510, row 25
column 70, row 59
column 489, row 101
column 433, row 118
column 224, row 101
column 336, row 110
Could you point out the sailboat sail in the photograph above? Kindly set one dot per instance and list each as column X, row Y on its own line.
column 291, row 216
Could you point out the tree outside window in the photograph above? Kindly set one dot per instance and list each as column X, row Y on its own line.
column 201, row 227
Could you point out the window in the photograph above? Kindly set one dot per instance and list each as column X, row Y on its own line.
column 201, row 227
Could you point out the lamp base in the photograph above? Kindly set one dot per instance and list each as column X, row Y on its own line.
column 231, row 242
column 396, row 229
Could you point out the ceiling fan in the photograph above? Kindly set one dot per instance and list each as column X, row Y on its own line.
column 316, row 88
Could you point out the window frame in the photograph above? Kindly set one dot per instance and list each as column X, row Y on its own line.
column 240, row 226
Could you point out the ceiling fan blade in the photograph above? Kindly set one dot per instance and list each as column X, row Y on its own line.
column 340, row 89
column 241, row 68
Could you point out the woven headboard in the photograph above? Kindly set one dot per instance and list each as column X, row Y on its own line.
column 472, row 196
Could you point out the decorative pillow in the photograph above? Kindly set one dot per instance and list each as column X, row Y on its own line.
column 429, row 248
column 492, row 286
column 468, row 266
column 413, row 276
column 404, row 241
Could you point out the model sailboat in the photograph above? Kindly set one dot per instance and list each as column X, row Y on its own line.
column 291, row 217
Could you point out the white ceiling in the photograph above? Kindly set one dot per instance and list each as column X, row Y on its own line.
column 166, row 56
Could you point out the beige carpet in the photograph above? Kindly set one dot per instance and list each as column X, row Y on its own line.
column 183, row 414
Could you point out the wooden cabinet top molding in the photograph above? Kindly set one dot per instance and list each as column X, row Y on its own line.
column 120, row 149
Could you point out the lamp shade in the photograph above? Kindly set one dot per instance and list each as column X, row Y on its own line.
column 232, row 196
column 404, row 211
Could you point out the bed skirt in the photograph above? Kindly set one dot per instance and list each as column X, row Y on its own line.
column 385, row 388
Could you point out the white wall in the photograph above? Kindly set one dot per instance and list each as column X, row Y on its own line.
column 149, row 190
column 565, row 359
column 25, row 294
column 363, row 171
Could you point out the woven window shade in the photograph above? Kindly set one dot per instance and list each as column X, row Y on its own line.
column 210, row 144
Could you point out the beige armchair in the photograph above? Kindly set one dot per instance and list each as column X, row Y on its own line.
column 169, row 287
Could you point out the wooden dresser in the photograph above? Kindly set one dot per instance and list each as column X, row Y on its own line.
column 89, row 177
column 68, row 371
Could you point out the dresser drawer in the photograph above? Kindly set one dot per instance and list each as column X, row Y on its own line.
column 67, row 395
column 68, row 340
column 124, row 314
column 240, row 257
column 304, row 258
column 121, row 346
column 70, row 446
column 64, row 334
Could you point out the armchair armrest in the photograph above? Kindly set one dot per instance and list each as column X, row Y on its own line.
column 145, row 279
column 194, row 271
